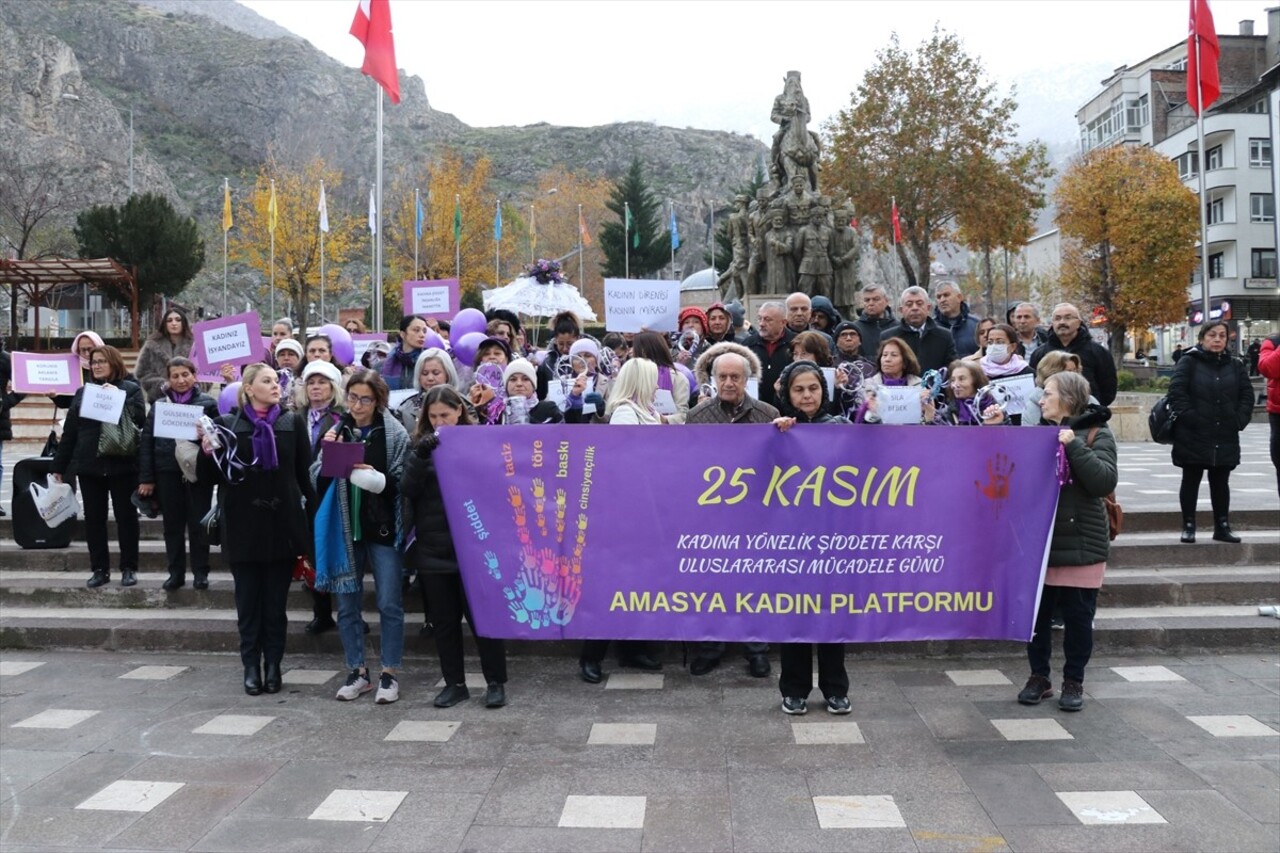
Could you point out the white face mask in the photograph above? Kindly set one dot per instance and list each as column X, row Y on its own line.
column 998, row 353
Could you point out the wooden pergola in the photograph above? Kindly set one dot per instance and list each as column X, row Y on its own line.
column 37, row 278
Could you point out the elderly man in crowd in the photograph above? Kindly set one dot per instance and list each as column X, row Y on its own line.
column 875, row 317
column 1096, row 364
column 1031, row 335
column 952, row 314
column 770, row 343
column 730, row 365
column 934, row 347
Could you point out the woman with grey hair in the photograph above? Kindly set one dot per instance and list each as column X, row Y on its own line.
column 433, row 367
column 1080, row 541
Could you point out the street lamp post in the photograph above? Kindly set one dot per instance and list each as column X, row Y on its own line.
column 130, row 152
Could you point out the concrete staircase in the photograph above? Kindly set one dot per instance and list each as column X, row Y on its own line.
column 1159, row 596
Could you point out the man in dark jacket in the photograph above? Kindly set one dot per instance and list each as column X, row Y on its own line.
column 875, row 317
column 1095, row 360
column 934, row 347
column 770, row 341
column 952, row 314
column 1025, row 319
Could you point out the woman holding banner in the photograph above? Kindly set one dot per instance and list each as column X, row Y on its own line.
column 105, row 469
column 359, row 530
column 398, row 368
column 630, row 403
column 264, row 490
column 168, row 469
column 964, row 406
column 802, row 399
column 432, row 556
column 1080, row 540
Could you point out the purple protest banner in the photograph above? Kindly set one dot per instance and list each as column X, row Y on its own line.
column 42, row 373
column 227, row 340
column 820, row 534
column 438, row 298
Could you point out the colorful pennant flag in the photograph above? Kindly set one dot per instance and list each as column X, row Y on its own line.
column 226, row 205
column 324, row 211
column 1203, row 85
column 897, row 224
column 457, row 219
column 418, row 215
column 373, row 213
column 272, row 214
column 497, row 222
column 583, row 233
column 675, row 231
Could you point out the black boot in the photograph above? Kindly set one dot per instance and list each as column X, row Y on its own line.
column 174, row 581
column 1189, row 529
column 201, row 578
column 271, row 678
column 253, row 679
column 1222, row 531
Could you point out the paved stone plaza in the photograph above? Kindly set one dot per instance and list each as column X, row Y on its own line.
column 105, row 750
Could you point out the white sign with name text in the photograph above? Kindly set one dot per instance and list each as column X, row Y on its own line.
column 899, row 404
column 174, row 420
column 102, row 404
column 1019, row 388
column 631, row 305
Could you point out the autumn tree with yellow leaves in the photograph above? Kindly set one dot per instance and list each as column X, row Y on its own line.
column 1129, row 229
column 297, row 230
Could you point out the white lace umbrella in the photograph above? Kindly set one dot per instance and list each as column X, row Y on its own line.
column 526, row 296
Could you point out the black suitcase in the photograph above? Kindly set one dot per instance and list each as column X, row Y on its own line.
column 29, row 528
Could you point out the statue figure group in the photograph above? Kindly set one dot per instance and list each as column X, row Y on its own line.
column 791, row 237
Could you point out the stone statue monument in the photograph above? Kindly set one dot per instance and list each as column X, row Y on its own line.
column 796, row 149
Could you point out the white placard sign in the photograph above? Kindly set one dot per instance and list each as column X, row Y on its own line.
column 899, row 404
column 1019, row 388
column 395, row 398
column 430, row 300
column 558, row 393
column 664, row 402
column 174, row 420
column 632, row 305
column 829, row 374
column 102, row 404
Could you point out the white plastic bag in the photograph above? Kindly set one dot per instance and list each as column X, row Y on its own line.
column 56, row 504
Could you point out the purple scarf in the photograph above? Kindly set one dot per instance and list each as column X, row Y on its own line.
column 181, row 399
column 664, row 378
column 264, row 437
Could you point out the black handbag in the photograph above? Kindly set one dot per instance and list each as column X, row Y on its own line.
column 212, row 523
column 50, row 445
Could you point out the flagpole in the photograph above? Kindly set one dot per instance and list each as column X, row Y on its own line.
column 416, row 202
column 581, row 281
column 322, row 260
column 273, row 260
column 626, row 239
column 533, row 234
column 377, row 238
column 713, row 240
column 671, row 208
column 1205, row 304
column 226, row 193
column 893, row 232
column 497, row 243
column 457, row 240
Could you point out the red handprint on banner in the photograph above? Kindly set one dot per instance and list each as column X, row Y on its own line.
column 999, row 476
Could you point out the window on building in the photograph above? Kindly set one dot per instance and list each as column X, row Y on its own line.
column 1262, row 207
column 1188, row 165
column 1264, row 263
column 1214, row 160
column 1137, row 113
column 1259, row 152
column 1178, row 64
column 1216, row 266
column 1258, row 106
column 1217, row 211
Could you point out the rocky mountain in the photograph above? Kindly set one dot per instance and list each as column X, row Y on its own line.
column 213, row 86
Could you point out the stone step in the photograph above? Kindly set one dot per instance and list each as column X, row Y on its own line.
column 1199, row 585
column 1188, row 629
column 1134, row 523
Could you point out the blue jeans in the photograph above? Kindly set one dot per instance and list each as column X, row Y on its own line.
column 388, row 588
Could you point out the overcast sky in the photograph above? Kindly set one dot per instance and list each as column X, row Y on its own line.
column 718, row 65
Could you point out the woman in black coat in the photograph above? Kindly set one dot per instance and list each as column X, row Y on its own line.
column 102, row 477
column 1211, row 394
column 183, row 503
column 433, row 557
column 265, row 487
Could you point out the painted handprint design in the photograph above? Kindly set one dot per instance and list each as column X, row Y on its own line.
column 547, row 585
column 999, row 473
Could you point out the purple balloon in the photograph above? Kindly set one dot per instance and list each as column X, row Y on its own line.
column 344, row 349
column 468, row 320
column 229, row 398
column 433, row 340
column 466, row 347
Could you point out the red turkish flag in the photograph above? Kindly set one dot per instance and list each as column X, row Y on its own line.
column 372, row 27
column 1202, row 69
column 897, row 224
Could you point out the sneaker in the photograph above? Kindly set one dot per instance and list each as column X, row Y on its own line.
column 1072, row 698
column 794, row 705
column 388, row 689
column 838, row 705
column 357, row 685
column 1037, row 690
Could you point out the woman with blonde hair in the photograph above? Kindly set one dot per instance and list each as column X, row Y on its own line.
column 263, row 456
column 434, row 367
column 1053, row 362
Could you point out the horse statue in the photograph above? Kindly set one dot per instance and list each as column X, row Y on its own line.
column 796, row 149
